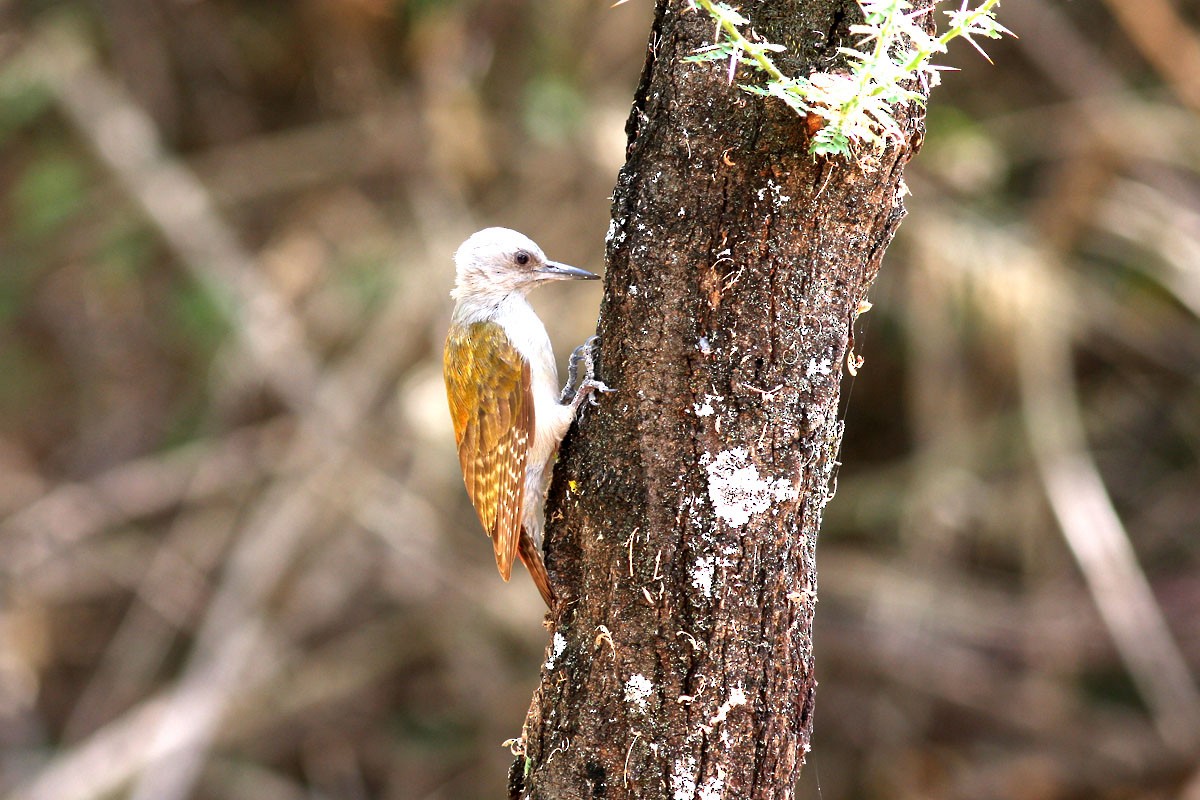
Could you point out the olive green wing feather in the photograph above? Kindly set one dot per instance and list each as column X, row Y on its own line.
column 491, row 405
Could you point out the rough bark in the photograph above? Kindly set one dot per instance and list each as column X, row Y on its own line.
column 685, row 509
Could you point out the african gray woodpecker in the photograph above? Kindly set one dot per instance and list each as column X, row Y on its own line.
column 502, row 384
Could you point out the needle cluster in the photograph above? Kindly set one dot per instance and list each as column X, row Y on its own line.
column 893, row 56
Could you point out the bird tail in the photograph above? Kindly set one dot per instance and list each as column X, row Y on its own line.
column 531, row 557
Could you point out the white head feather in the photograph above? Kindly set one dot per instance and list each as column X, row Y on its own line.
column 496, row 262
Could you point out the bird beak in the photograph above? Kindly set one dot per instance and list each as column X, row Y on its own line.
column 561, row 272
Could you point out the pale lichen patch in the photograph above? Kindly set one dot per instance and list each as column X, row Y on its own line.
column 822, row 367
column 776, row 191
column 738, row 492
column 557, row 645
column 714, row 787
column 637, row 690
column 683, row 779
column 615, row 234
column 702, row 575
column 737, row 697
column 705, row 407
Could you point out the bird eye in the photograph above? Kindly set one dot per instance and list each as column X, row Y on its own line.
column 522, row 258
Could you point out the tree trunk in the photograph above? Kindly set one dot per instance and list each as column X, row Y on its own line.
column 684, row 515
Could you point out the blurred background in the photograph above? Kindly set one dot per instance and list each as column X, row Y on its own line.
column 232, row 527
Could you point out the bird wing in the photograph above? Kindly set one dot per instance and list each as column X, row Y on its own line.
column 491, row 404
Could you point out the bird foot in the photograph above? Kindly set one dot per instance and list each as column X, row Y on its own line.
column 587, row 388
column 576, row 390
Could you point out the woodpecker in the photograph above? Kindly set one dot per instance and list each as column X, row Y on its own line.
column 502, row 385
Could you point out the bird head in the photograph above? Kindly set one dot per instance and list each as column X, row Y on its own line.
column 495, row 262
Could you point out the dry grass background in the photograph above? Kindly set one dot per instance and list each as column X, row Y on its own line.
column 236, row 560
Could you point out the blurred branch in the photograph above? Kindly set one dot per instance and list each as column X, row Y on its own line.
column 282, row 518
column 177, row 203
column 1019, row 295
column 1119, row 118
column 98, row 766
column 72, row 512
column 1191, row 791
column 287, row 513
column 1164, row 226
column 1088, row 520
column 1060, row 627
column 1165, row 40
column 176, row 731
column 170, row 594
column 1067, row 58
column 1034, row 706
column 338, row 150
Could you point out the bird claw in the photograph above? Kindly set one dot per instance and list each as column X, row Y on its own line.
column 592, row 386
column 575, row 392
